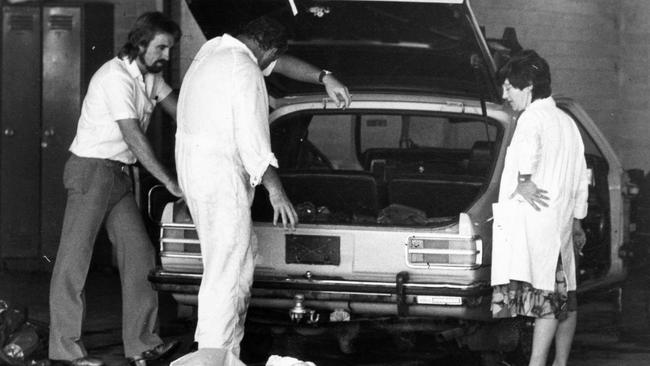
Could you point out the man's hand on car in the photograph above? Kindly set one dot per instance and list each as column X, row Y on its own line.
column 282, row 208
column 337, row 91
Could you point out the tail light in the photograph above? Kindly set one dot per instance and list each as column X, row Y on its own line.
column 439, row 252
column 460, row 250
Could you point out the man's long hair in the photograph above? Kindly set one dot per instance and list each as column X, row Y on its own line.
column 145, row 29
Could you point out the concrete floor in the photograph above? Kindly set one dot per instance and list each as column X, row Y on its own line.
column 605, row 337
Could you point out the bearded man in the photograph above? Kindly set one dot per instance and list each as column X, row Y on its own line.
column 110, row 137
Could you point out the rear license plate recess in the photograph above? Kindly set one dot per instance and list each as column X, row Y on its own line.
column 312, row 249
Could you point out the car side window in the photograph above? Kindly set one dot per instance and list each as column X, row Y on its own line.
column 414, row 131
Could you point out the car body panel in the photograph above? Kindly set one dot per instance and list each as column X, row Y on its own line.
column 619, row 202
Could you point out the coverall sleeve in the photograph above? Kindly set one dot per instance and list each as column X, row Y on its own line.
column 120, row 97
column 527, row 143
column 250, row 113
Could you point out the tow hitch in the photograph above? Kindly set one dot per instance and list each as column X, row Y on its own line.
column 299, row 312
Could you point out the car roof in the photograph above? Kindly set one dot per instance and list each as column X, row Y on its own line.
column 430, row 47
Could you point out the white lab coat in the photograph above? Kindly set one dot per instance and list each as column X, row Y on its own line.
column 526, row 243
column 222, row 151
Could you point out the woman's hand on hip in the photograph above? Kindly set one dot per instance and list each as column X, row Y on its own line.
column 528, row 190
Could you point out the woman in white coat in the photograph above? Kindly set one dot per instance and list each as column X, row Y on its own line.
column 543, row 196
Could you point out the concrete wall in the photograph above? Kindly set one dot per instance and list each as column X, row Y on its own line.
column 598, row 51
column 632, row 130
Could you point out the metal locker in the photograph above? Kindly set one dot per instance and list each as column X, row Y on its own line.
column 61, row 102
column 77, row 40
column 20, row 124
column 49, row 53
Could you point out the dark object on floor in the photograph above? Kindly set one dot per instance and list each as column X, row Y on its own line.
column 20, row 340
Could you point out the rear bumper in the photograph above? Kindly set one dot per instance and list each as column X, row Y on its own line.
column 401, row 298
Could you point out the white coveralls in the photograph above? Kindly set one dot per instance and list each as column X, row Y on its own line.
column 222, row 151
column 526, row 243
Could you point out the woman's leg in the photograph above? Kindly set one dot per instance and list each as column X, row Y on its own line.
column 564, row 338
column 542, row 337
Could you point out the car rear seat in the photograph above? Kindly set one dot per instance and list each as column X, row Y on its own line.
column 438, row 196
column 480, row 158
column 385, row 163
column 350, row 192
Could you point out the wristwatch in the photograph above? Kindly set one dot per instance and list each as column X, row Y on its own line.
column 322, row 74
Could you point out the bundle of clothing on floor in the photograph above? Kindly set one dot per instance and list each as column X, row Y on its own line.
column 22, row 342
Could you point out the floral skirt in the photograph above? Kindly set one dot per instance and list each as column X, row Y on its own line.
column 521, row 298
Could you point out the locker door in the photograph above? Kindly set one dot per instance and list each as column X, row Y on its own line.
column 20, row 115
column 61, row 106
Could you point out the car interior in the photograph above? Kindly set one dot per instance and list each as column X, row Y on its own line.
column 355, row 165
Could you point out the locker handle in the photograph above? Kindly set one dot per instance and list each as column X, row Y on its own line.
column 47, row 133
column 8, row 132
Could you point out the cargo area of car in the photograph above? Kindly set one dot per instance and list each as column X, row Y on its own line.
column 351, row 197
column 384, row 169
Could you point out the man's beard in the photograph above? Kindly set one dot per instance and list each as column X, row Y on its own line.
column 156, row 67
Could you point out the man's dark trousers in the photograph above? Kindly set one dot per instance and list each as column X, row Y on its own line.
column 100, row 192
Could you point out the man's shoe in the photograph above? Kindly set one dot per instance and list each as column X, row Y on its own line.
column 160, row 351
column 81, row 361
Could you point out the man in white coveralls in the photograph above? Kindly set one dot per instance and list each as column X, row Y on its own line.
column 223, row 150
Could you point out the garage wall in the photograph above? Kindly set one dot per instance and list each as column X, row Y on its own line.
column 632, row 130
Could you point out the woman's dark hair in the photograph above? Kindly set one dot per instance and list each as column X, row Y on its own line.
column 145, row 29
column 267, row 32
column 528, row 68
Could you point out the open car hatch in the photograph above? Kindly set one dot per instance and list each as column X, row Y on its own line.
column 405, row 46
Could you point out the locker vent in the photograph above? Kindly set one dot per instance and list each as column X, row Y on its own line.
column 21, row 22
column 60, row 22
